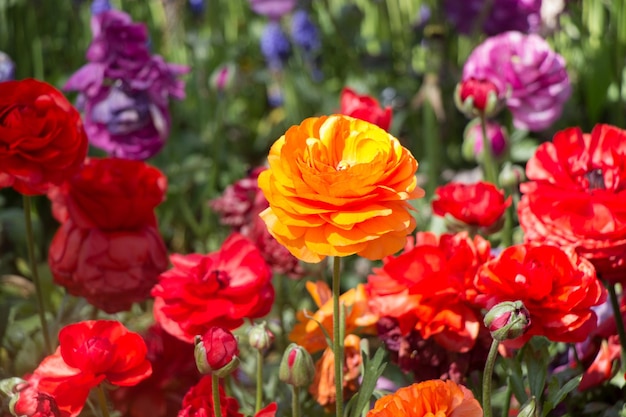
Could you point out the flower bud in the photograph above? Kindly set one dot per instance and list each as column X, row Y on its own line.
column 296, row 367
column 473, row 140
column 260, row 337
column 507, row 320
column 216, row 352
column 224, row 78
column 475, row 97
column 511, row 175
column 529, row 409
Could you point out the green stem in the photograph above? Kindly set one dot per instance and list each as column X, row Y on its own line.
column 487, row 377
column 102, row 400
column 337, row 341
column 507, row 399
column 259, row 381
column 619, row 323
column 489, row 164
column 30, row 241
column 295, row 401
column 215, row 389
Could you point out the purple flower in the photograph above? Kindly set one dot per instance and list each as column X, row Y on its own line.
column 473, row 140
column 100, row 6
column 304, row 32
column 503, row 16
column 197, row 6
column 273, row 9
column 7, row 67
column 275, row 46
column 125, row 90
column 530, row 73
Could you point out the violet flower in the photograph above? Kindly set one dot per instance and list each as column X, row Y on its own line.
column 273, row 9
column 503, row 15
column 531, row 74
column 275, row 46
column 124, row 90
column 7, row 67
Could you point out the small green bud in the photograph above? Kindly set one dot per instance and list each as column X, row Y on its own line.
column 529, row 409
column 296, row 367
column 260, row 337
column 507, row 320
column 511, row 175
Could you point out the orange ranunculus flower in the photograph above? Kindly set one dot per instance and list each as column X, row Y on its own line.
column 558, row 287
column 308, row 334
column 428, row 398
column 323, row 386
column 337, row 186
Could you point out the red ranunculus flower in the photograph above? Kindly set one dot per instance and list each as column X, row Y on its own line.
column 108, row 248
column 42, row 139
column 111, row 269
column 575, row 197
column 364, row 107
column 173, row 373
column 218, row 289
column 478, row 205
column 218, row 347
column 106, row 349
column 429, row 287
column 198, row 401
column 558, row 288
column 90, row 352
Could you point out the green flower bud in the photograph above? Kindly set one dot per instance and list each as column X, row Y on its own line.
column 529, row 409
column 507, row 320
column 296, row 367
column 511, row 175
column 260, row 337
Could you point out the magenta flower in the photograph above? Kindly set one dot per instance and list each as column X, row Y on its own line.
column 473, row 140
column 503, row 15
column 125, row 90
column 530, row 73
column 273, row 9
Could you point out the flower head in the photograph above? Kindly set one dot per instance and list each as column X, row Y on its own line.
column 198, row 401
column 364, row 107
column 7, row 67
column 273, row 9
column 429, row 288
column 476, row 205
column 337, row 186
column 574, row 197
column 532, row 74
column 216, row 352
column 42, row 139
column 435, row 397
column 221, row 288
column 557, row 287
column 503, row 15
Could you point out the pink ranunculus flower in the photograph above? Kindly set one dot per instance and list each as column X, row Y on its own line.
column 532, row 74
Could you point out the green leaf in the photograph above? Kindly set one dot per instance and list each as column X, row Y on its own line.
column 536, row 357
column 556, row 396
column 373, row 369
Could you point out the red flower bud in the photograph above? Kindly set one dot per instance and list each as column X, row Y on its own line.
column 477, row 97
column 216, row 352
column 507, row 320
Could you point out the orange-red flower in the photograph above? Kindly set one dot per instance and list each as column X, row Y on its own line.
column 429, row 287
column 364, row 107
column 558, row 288
column 198, row 401
column 221, row 288
column 479, row 205
column 576, row 196
column 359, row 318
column 429, row 398
column 323, row 386
column 42, row 139
column 337, row 186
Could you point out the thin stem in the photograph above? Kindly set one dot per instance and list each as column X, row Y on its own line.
column 489, row 164
column 30, row 241
column 295, row 401
column 337, row 342
column 215, row 389
column 619, row 323
column 487, row 377
column 102, row 400
column 507, row 399
column 259, row 381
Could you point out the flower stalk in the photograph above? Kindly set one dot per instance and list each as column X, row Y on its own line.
column 619, row 324
column 337, row 341
column 215, row 390
column 102, row 400
column 489, row 164
column 295, row 400
column 487, row 377
column 259, row 381
column 30, row 241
